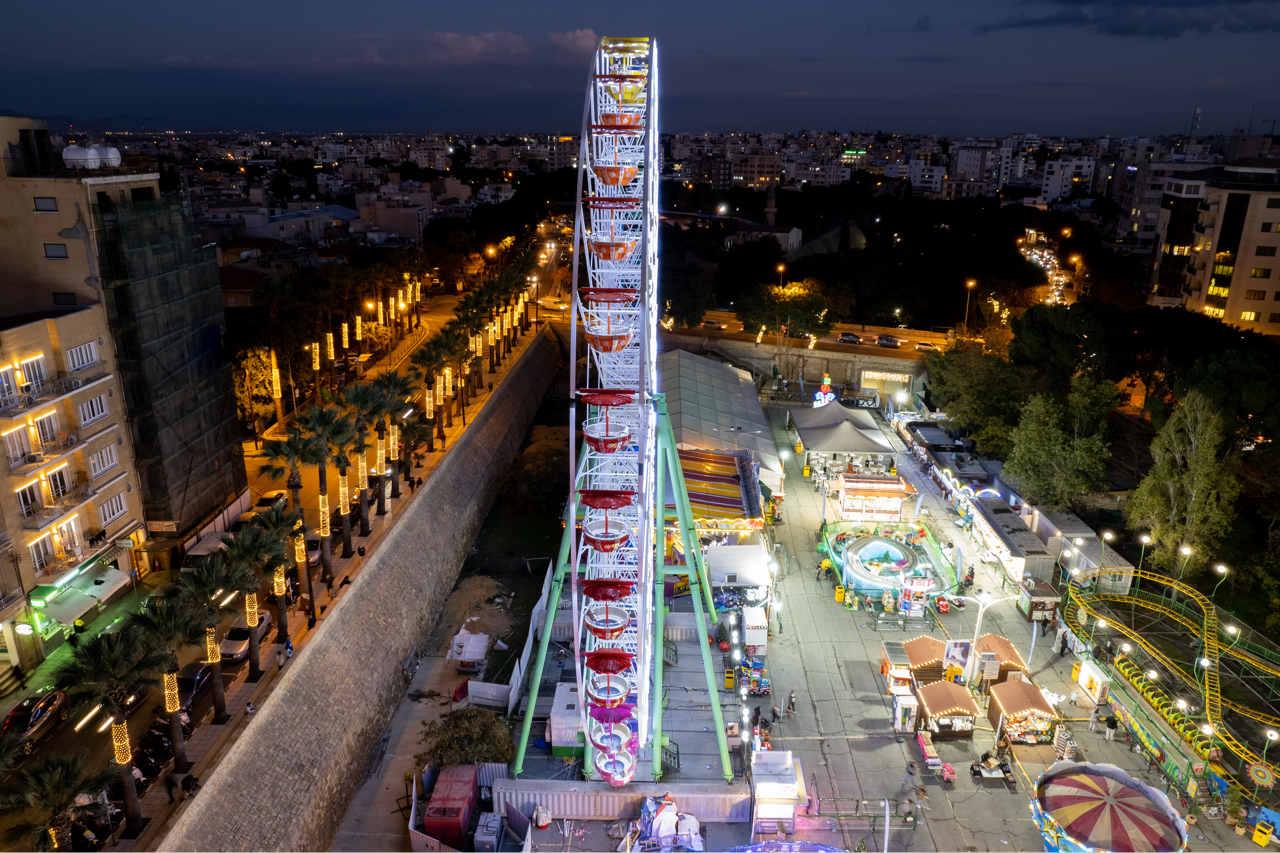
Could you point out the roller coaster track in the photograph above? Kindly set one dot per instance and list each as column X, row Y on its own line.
column 1208, row 629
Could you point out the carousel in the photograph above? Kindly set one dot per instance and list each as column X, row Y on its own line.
column 1098, row 807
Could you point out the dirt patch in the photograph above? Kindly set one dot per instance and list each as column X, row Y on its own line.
column 479, row 604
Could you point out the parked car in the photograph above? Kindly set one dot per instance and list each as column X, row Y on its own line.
column 888, row 341
column 36, row 716
column 235, row 647
column 922, row 346
column 270, row 499
column 850, row 338
column 313, row 545
column 136, row 699
column 194, row 680
column 712, row 324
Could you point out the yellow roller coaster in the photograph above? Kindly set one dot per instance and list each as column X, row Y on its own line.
column 1207, row 628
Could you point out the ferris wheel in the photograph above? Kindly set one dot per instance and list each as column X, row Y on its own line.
column 615, row 302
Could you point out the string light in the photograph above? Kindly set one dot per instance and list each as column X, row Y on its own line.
column 324, row 516
column 120, row 743
column 251, row 609
column 299, row 545
column 211, row 652
column 380, row 457
column 448, row 379
column 490, row 330
column 380, row 322
column 315, row 356
column 344, row 495
column 275, row 383
column 429, row 402
column 417, row 291
column 359, row 332
column 345, row 344
column 277, row 587
column 394, row 438
column 362, row 469
column 329, row 337
column 439, row 389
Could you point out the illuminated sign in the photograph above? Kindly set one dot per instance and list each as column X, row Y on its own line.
column 886, row 377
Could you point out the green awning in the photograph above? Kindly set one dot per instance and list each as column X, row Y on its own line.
column 41, row 594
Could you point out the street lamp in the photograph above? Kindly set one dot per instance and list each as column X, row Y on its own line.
column 1186, row 555
column 984, row 601
column 1272, row 736
column 968, row 291
column 1222, row 570
column 781, row 269
column 1145, row 540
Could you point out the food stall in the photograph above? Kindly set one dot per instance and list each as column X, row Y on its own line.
column 1019, row 709
column 1094, row 681
column 755, row 630
column 893, row 657
column 869, row 497
column 1006, row 654
column 924, row 659
column 1037, row 602
column 947, row 710
column 906, row 708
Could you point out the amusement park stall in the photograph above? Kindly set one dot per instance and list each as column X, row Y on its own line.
column 1019, row 709
column 924, row 659
column 875, row 497
column 947, row 710
column 1006, row 654
column 1001, row 529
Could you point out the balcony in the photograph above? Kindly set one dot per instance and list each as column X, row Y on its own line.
column 38, row 518
column 32, row 395
column 22, row 464
column 18, row 165
column 6, row 541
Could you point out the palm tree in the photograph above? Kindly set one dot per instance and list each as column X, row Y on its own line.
column 285, row 458
column 327, row 428
column 399, row 391
column 413, row 433
column 58, row 791
column 171, row 624
column 103, row 671
column 284, row 526
column 257, row 550
column 210, row 589
column 341, row 449
column 364, row 403
column 427, row 363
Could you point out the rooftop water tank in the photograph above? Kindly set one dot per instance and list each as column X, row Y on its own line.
column 109, row 155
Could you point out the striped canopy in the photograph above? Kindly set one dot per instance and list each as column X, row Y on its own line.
column 1104, row 813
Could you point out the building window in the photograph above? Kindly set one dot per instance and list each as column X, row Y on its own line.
column 15, row 445
column 29, row 499
column 112, row 509
column 1249, row 316
column 1255, row 294
column 68, row 537
column 1260, row 272
column 93, row 410
column 1265, row 251
column 33, row 371
column 104, row 460
column 47, row 428
column 64, row 298
column 1214, row 290
column 7, row 386
column 56, row 251
column 1214, row 312
column 46, row 205
column 82, row 356
column 1268, row 227
column 1273, row 203
column 1274, row 318
column 42, row 553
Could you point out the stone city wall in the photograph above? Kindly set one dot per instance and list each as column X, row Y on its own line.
column 287, row 781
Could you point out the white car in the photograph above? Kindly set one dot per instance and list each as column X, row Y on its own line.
column 235, row 647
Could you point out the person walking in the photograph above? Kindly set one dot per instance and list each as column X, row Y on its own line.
column 791, row 704
column 1112, row 723
column 908, row 808
column 172, row 785
column 288, row 648
column 190, row 784
column 249, row 709
column 279, row 659
column 755, row 717
column 412, row 482
column 912, row 779
column 775, row 714
column 1093, row 719
column 19, row 674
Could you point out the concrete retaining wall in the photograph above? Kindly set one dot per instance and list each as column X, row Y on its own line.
column 287, row 782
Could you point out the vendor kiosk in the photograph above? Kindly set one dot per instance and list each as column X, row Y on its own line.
column 755, row 630
column 777, row 782
column 905, row 709
column 1019, row 710
column 947, row 710
column 1037, row 602
column 892, row 657
column 1009, row 658
column 915, row 595
column 1095, row 683
column 924, row 659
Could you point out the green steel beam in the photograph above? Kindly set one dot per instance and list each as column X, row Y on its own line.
column 713, row 691
column 659, row 609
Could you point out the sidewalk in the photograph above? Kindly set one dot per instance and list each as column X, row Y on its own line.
column 210, row 742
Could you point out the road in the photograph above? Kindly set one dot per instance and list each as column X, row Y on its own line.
column 825, row 344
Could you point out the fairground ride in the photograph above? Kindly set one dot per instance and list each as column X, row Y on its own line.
column 613, row 525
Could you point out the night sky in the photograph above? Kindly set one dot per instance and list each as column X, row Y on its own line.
column 1069, row 67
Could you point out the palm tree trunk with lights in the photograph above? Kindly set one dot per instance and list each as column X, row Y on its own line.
column 381, row 427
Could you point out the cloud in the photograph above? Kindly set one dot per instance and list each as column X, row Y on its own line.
column 1145, row 19
column 575, row 42
column 921, row 25
column 467, row 48
column 929, row 58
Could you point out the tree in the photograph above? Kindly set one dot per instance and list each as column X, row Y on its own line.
column 54, row 793
column 171, row 624
column 363, row 403
column 981, row 393
column 322, row 427
column 399, row 392
column 744, row 266
column 1059, row 452
column 205, row 588
column 258, row 551
column 285, row 526
column 684, row 291
column 1185, row 500
column 251, row 374
column 104, row 671
column 466, row 736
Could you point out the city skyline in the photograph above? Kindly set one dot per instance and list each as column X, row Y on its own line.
column 1053, row 67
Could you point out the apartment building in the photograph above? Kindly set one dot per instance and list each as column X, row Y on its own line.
column 71, row 514
column 1235, row 271
column 757, row 171
column 1139, row 190
column 976, row 162
column 1066, row 177
column 96, row 235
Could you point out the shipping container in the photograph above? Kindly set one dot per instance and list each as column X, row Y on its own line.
column 447, row 817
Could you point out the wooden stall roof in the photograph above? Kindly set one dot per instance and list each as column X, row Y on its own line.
column 1021, row 697
column 1005, row 652
column 923, row 651
column 946, row 698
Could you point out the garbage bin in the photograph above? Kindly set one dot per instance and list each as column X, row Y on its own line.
column 1075, row 671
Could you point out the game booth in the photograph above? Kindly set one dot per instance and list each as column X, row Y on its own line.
column 924, row 659
column 1083, row 808
column 1008, row 657
column 1019, row 709
column 895, row 665
column 947, row 710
